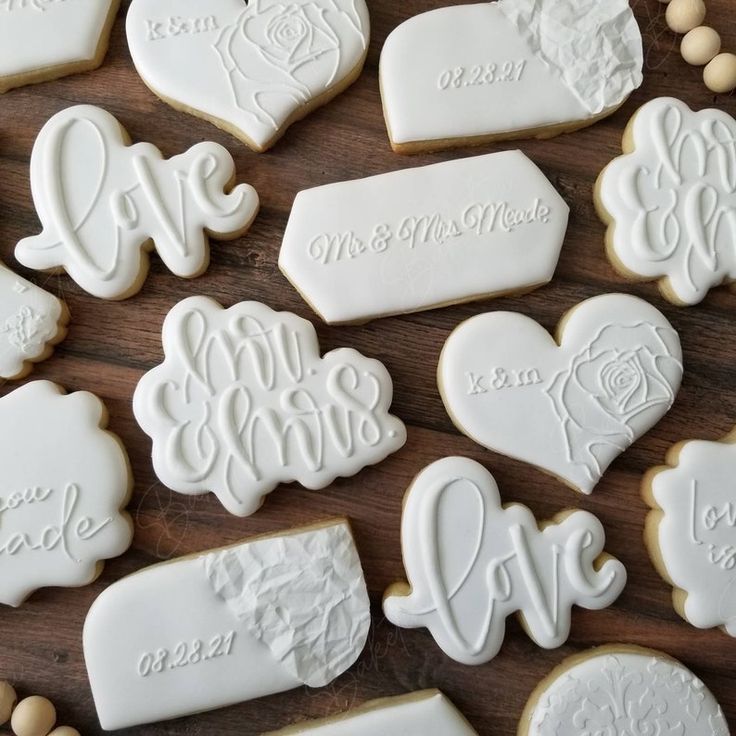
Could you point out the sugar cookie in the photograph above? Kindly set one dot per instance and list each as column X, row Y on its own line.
column 472, row 562
column 425, row 237
column 41, row 40
column 210, row 630
column 691, row 530
column 32, row 321
column 425, row 713
column 61, row 517
column 569, row 407
column 471, row 74
column 251, row 69
column 104, row 204
column 669, row 201
column 243, row 401
column 620, row 689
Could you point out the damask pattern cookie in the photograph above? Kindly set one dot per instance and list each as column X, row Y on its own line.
column 620, row 690
column 203, row 632
column 32, row 321
column 470, row 74
column 104, row 204
column 569, row 406
column 42, row 40
column 424, row 237
column 251, row 68
column 425, row 713
column 691, row 530
column 243, row 401
column 64, row 482
column 471, row 563
column 669, row 201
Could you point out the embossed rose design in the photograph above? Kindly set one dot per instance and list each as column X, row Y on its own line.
column 608, row 389
column 277, row 50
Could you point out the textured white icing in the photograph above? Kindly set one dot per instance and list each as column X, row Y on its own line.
column 508, row 66
column 471, row 563
column 624, row 693
column 413, row 239
column 249, row 67
column 174, row 641
column 243, row 401
column 427, row 713
column 613, row 376
column 101, row 201
column 29, row 320
column 672, row 199
column 64, row 480
column 696, row 534
column 39, row 35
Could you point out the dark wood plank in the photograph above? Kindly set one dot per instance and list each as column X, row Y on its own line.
column 110, row 345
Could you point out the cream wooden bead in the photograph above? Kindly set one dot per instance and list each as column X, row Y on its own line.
column 34, row 716
column 684, row 15
column 700, row 45
column 65, row 731
column 720, row 74
column 8, row 699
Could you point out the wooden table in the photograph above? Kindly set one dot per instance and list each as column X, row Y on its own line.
column 110, row 345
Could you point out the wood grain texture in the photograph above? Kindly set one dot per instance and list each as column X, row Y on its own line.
column 110, row 345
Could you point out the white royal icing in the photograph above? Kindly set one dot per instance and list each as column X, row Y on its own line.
column 471, row 563
column 426, row 713
column 509, row 66
column 672, row 199
column 37, row 37
column 101, row 202
column 571, row 408
column 219, row 628
column 620, row 693
column 418, row 238
column 251, row 67
column 695, row 534
column 243, row 401
column 64, row 481
column 31, row 320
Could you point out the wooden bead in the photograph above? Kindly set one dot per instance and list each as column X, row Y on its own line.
column 720, row 74
column 34, row 716
column 684, row 15
column 65, row 731
column 700, row 45
column 8, row 699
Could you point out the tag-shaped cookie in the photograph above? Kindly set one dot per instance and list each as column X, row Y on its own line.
column 569, row 408
column 243, row 401
column 211, row 630
column 251, row 68
column 32, row 321
column 104, row 204
column 691, row 531
column 621, row 689
column 670, row 200
column 64, row 482
column 472, row 562
column 47, row 39
column 469, row 74
column 424, row 237
column 425, row 713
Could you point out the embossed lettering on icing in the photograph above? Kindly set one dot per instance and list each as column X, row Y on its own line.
column 463, row 589
column 249, row 66
column 615, row 373
column 243, row 402
column 59, row 517
column 414, row 239
column 100, row 201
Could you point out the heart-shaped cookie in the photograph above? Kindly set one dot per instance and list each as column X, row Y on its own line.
column 568, row 408
column 251, row 67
